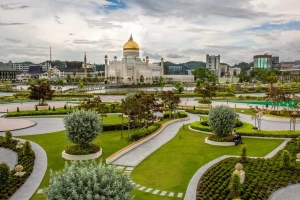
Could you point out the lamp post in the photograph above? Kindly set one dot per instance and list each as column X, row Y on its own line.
column 293, row 117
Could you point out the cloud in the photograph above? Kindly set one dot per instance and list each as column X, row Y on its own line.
column 152, row 55
column 11, row 24
column 57, row 19
column 8, row 7
column 12, row 40
column 174, row 55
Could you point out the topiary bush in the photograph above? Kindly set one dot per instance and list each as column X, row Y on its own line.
column 286, row 159
column 244, row 155
column 89, row 180
column 82, row 127
column 27, row 148
column 4, row 173
column 221, row 119
column 235, row 186
column 8, row 136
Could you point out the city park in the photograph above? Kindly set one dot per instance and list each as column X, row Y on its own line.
column 161, row 144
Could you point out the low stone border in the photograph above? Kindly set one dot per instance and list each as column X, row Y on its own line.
column 134, row 145
column 207, row 141
column 81, row 157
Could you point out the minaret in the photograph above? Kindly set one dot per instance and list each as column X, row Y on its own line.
column 106, row 66
column 85, row 75
column 162, row 66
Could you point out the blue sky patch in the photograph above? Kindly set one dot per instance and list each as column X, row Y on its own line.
column 117, row 4
column 294, row 25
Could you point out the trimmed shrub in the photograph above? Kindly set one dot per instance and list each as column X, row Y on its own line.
column 244, row 155
column 49, row 108
column 204, row 101
column 286, row 159
column 221, row 119
column 53, row 109
column 65, row 106
column 235, row 186
column 18, row 110
column 203, row 112
column 8, row 136
column 27, row 148
column 36, row 108
column 82, row 127
column 4, row 173
column 216, row 138
column 97, row 181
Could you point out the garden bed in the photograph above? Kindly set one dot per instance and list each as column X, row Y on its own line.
column 248, row 130
column 15, row 182
column 263, row 176
column 211, row 142
column 81, row 157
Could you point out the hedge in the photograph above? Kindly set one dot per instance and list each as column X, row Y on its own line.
column 58, row 111
column 181, row 114
column 202, row 112
column 248, row 130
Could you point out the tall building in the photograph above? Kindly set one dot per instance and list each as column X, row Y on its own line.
column 212, row 63
column 263, row 61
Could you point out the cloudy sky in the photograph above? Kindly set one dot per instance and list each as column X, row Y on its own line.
column 178, row 30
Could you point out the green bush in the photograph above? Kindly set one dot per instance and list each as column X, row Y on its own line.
column 49, row 108
column 217, row 138
column 221, row 119
column 8, row 136
column 79, row 150
column 36, row 108
column 18, row 110
column 58, row 111
column 97, row 181
column 235, row 186
column 53, row 109
column 65, row 106
column 201, row 112
column 244, row 155
column 204, row 101
column 82, row 127
column 144, row 131
column 4, row 173
column 181, row 114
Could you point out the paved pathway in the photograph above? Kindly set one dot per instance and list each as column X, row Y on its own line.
column 9, row 157
column 291, row 192
column 137, row 155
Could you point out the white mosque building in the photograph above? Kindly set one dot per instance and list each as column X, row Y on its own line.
column 132, row 69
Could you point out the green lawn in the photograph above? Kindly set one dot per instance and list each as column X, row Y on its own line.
column 172, row 166
column 54, row 144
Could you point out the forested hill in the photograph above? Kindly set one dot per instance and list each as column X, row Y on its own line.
column 189, row 65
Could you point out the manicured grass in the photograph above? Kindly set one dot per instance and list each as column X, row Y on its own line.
column 172, row 166
column 54, row 144
column 140, row 195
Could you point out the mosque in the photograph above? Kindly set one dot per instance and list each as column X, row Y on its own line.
column 132, row 69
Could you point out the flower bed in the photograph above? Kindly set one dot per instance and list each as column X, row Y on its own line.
column 15, row 182
column 263, row 176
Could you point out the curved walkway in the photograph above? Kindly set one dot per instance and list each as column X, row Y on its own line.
column 291, row 192
column 137, row 155
column 9, row 157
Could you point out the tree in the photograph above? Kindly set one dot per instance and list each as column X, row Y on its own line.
column 171, row 101
column 206, row 90
column 89, row 180
column 82, row 127
column 271, row 80
column 277, row 94
column 221, row 119
column 178, row 88
column 41, row 92
column 204, row 74
column 95, row 104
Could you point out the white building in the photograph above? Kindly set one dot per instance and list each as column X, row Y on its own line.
column 132, row 69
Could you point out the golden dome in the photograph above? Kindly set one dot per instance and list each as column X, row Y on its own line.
column 131, row 45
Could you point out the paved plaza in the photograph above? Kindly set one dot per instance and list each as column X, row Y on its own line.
column 33, row 126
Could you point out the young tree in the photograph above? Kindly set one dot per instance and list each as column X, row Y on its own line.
column 235, row 186
column 82, row 127
column 41, row 92
column 89, row 180
column 4, row 173
column 178, row 88
column 206, row 90
column 286, row 159
column 171, row 101
column 161, row 83
column 221, row 119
